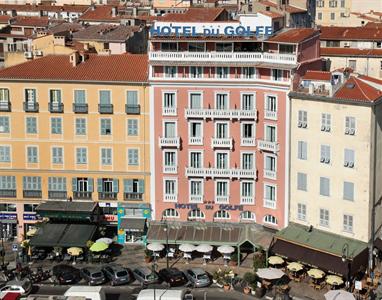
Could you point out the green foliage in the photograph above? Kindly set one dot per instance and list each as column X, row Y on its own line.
column 148, row 253
column 249, row 277
column 258, row 261
column 89, row 244
column 235, row 257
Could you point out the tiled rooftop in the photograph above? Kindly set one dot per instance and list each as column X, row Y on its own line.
column 350, row 33
column 194, row 15
column 107, row 33
column 296, row 35
column 337, row 51
column 317, row 75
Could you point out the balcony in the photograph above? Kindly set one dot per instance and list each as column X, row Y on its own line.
column 55, row 107
column 105, row 108
column 82, row 195
column 80, row 108
column 222, row 199
column 170, row 197
column 169, row 111
column 270, row 174
column 268, row 146
column 213, row 57
column 196, row 198
column 5, row 106
column 32, row 194
column 57, row 195
column 270, row 115
column 245, row 141
column 207, row 113
column 31, row 106
column 132, row 109
column 7, row 193
column 222, row 143
column 170, row 169
column 107, row 196
column 247, row 200
column 169, row 142
column 133, row 196
column 221, row 173
column 195, row 140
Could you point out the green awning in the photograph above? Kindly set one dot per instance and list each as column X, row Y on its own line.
column 76, row 235
column 67, row 209
column 48, row 235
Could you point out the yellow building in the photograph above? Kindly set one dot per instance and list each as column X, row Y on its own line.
column 74, row 128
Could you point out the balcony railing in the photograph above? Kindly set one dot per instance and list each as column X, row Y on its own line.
column 5, row 106
column 133, row 109
column 270, row 115
column 248, row 57
column 7, row 193
column 31, row 106
column 248, row 141
column 222, row 199
column 196, row 198
column 169, row 111
column 105, row 108
column 55, row 107
column 221, row 143
column 107, row 195
column 32, row 194
column 269, row 174
column 133, row 196
column 170, row 169
column 80, row 108
column 269, row 203
column 169, row 142
column 207, row 113
column 82, row 195
column 195, row 140
column 268, row 146
column 170, row 197
column 247, row 200
column 57, row 195
column 221, row 173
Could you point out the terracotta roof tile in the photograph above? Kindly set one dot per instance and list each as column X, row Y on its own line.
column 294, row 10
column 350, row 33
column 50, row 8
column 106, row 33
column 350, row 52
column 272, row 14
column 194, row 15
column 31, row 21
column 371, row 79
column 317, row 75
column 100, row 13
column 358, row 90
column 296, row 35
column 268, row 3
column 4, row 19
column 123, row 68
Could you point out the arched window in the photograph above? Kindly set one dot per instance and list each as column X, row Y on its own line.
column 195, row 214
column 170, row 213
column 247, row 216
column 222, row 215
column 270, row 219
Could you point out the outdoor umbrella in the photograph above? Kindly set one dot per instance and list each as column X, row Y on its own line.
column 334, row 280
column 204, row 248
column 295, row 267
column 226, row 249
column 24, row 243
column 270, row 273
column 155, row 247
column 105, row 240
column 339, row 295
column 316, row 273
column 187, row 247
column 99, row 247
column 32, row 232
column 74, row 251
column 275, row 260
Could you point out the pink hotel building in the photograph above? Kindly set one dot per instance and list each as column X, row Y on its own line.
column 220, row 124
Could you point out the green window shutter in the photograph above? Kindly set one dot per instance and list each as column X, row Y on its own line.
column 74, row 184
column 50, row 184
column 128, row 183
column 141, row 186
column 99, row 185
column 115, row 186
column 24, row 182
column 90, row 185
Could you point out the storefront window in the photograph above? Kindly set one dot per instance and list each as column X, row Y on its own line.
column 8, row 207
column 109, row 210
column 30, row 207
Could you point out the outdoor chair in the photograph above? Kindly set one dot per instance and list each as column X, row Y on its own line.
column 80, row 258
column 50, row 256
column 67, row 257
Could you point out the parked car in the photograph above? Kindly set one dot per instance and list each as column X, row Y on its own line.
column 93, row 275
column 198, row 277
column 23, row 287
column 86, row 292
column 172, row 276
column 145, row 276
column 66, row 274
column 116, row 274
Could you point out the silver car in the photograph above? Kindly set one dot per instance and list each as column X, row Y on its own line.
column 145, row 276
column 93, row 275
column 116, row 274
column 198, row 277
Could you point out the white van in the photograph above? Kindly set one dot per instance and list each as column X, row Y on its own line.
column 161, row 294
column 90, row 292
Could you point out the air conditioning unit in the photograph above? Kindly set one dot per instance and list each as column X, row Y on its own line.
column 346, row 44
column 28, row 55
column 322, row 159
column 352, row 131
column 299, row 124
column 323, row 127
column 327, row 160
column 38, row 53
column 327, row 128
column 351, row 164
column 346, row 164
column 304, row 124
column 347, row 130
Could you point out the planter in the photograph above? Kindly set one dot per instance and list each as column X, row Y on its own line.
column 214, row 281
column 260, row 292
column 219, row 284
column 148, row 259
column 226, row 287
column 253, row 292
column 246, row 290
column 233, row 263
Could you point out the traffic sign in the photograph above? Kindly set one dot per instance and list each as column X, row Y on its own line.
column 15, row 247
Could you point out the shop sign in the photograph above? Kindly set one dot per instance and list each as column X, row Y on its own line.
column 6, row 216
column 110, row 218
column 31, row 217
column 230, row 207
column 208, row 206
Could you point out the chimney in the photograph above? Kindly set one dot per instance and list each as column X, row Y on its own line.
column 74, row 58
column 114, row 12
column 93, row 7
column 134, row 11
column 86, row 46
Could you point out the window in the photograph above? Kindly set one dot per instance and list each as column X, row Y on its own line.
column 55, row 96
column 30, row 96
column 9, row 207
column 57, row 184
column 222, row 215
column 106, row 156
column 342, row 15
column 32, row 183
column 170, row 213
column 333, row 44
column 324, row 186
column 170, row 187
column 333, row 3
column 270, row 133
column 247, row 216
column 221, row 160
column 195, row 100
column 105, row 126
column 342, row 3
column 332, row 16
column 319, row 16
column 133, row 158
column 196, row 160
column 221, row 130
column 132, row 127
column 301, row 212
column 4, row 95
column 302, row 119
column 352, row 64
column 107, row 185
column 195, row 129
column 271, row 103
column 169, row 129
column 223, row 47
column 302, row 150
column 248, row 130
column 325, row 122
column 31, row 125
column 247, row 161
column 222, row 72
column 80, row 126
column 81, row 156
column 270, row 219
column 221, row 101
column 269, row 196
column 170, row 71
column 4, row 124
column 32, row 154
column 324, row 217
column 170, row 159
column 169, row 46
column 270, row 163
column 195, row 214
column 350, row 125
column 249, row 72
column 196, row 47
column 320, row 3
column 57, row 155
column 349, row 158
column 82, row 184
column 7, row 182
column 79, row 97
column 301, row 182
column 196, row 72
column 30, row 207
column 56, row 125
column 132, row 98
column 348, row 191
column 247, row 192
column 5, row 154
column 247, row 102
column 221, row 188
column 104, row 97
column 169, row 100
column 277, row 74
column 196, row 187
column 348, row 223
column 325, row 154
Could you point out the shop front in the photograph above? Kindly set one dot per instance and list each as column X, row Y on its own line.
column 109, row 218
column 8, row 225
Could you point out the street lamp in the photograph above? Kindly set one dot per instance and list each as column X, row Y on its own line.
column 166, row 230
column 346, row 259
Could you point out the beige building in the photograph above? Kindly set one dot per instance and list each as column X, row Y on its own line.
column 75, row 127
column 336, row 153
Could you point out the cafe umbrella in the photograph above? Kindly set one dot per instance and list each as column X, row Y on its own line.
column 334, row 280
column 295, row 267
column 316, row 273
column 339, row 295
column 270, row 273
column 275, row 260
column 99, row 247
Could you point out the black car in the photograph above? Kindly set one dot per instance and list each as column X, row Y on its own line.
column 66, row 274
column 172, row 276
